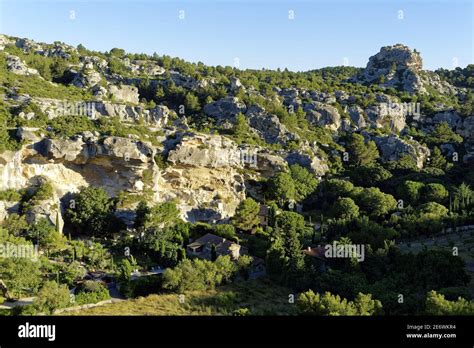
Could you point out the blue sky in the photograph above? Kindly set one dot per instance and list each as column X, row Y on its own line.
column 259, row 33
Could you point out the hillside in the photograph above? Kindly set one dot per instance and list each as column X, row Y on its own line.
column 118, row 162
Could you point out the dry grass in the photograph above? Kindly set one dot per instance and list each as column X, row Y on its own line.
column 261, row 297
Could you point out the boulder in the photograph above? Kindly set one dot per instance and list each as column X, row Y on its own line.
column 315, row 164
column 394, row 66
column 392, row 148
column 87, row 77
column 268, row 126
column 63, row 149
column 323, row 115
column 28, row 134
column 225, row 109
column 126, row 149
column 391, row 115
column 4, row 41
column 211, row 151
column 269, row 164
column 7, row 208
column 18, row 67
column 124, row 93
column 452, row 118
column 49, row 209
column 357, row 116
column 235, row 84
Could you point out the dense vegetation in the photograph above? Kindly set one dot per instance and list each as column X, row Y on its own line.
column 362, row 200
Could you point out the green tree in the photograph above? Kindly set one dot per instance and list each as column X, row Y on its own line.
column 410, row 191
column 375, row 202
column 371, row 175
column 463, row 196
column 241, row 127
column 161, row 215
column 47, row 237
column 333, row 305
column 345, row 208
column 435, row 193
column 437, row 159
column 436, row 304
column 91, row 292
column 15, row 224
column 117, row 52
column 442, row 134
column 90, row 210
column 246, row 216
column 282, row 188
column 332, row 189
column 361, row 152
column 20, row 273
column 73, row 272
column 198, row 274
column 51, row 296
column 225, row 231
column 305, row 182
column 191, row 103
column 432, row 210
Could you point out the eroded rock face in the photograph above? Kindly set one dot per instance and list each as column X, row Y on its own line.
column 392, row 148
column 225, row 109
column 124, row 93
column 56, row 49
column 157, row 117
column 4, row 41
column 19, row 67
column 50, row 210
column 235, row 84
column 210, row 151
column 323, row 115
column 450, row 117
column 87, row 77
column 268, row 164
column 313, row 163
column 204, row 194
column 268, row 126
column 94, row 62
column 115, row 164
column 204, row 177
column 7, row 208
column 467, row 131
column 400, row 67
column 394, row 66
column 357, row 116
column 390, row 115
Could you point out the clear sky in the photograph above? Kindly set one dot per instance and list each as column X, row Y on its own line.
column 255, row 34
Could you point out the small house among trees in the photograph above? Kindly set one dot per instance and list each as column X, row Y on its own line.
column 211, row 246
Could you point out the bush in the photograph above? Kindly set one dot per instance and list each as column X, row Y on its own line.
column 199, row 274
column 328, row 304
column 52, row 296
column 90, row 210
column 225, row 231
column 10, row 195
column 91, row 292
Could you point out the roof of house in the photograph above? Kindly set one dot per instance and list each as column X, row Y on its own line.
column 223, row 246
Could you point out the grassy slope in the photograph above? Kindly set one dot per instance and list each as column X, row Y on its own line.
column 261, row 297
